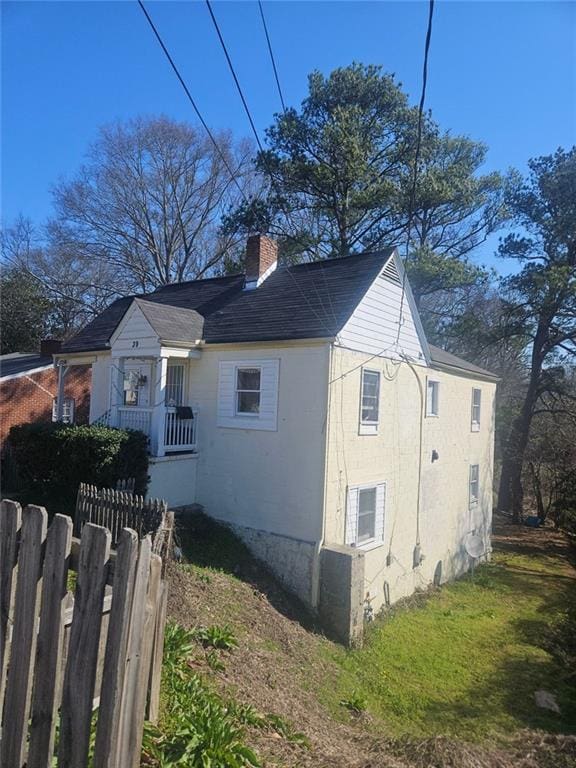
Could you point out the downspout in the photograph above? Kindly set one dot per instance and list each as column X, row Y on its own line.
column 316, row 575
column 417, row 554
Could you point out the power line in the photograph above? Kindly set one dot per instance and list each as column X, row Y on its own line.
column 232, row 70
column 192, row 102
column 272, row 59
column 412, row 200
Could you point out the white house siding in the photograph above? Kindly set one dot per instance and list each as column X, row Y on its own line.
column 100, row 391
column 392, row 456
column 173, row 478
column 373, row 326
column 269, row 483
column 135, row 336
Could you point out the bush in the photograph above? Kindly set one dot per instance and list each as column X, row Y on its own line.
column 53, row 459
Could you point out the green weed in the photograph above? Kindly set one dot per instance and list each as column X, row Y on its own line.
column 222, row 638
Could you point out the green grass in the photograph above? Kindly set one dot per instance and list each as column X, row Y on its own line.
column 468, row 660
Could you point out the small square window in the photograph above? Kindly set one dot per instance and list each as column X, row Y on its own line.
column 432, row 397
column 474, row 485
column 476, row 409
column 248, row 391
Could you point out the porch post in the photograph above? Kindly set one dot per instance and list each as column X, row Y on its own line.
column 116, row 389
column 159, row 412
column 62, row 371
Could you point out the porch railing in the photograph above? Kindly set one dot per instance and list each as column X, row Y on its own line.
column 179, row 433
column 135, row 418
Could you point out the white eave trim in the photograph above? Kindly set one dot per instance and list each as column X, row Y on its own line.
column 31, row 372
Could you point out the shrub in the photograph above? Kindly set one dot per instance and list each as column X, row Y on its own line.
column 53, row 459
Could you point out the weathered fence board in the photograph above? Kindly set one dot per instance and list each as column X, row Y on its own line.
column 46, row 692
column 117, row 509
column 78, row 691
column 69, row 653
column 10, row 520
column 19, row 679
column 116, row 650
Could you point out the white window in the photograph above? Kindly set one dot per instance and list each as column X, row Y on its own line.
column 369, row 402
column 248, row 394
column 365, row 515
column 476, row 408
column 174, row 391
column 67, row 410
column 432, row 397
column 474, row 485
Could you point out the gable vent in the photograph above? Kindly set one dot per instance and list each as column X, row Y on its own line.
column 390, row 273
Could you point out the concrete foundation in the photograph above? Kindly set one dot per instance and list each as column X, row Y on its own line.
column 341, row 606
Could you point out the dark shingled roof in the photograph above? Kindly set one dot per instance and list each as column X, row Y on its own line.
column 172, row 323
column 297, row 302
column 448, row 360
column 22, row 362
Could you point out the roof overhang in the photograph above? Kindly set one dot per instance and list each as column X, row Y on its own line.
column 464, row 372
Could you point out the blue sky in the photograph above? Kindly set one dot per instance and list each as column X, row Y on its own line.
column 501, row 72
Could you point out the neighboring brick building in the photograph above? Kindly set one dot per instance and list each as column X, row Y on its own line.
column 29, row 386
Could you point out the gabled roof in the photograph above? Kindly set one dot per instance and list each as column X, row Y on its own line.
column 21, row 363
column 172, row 323
column 294, row 302
column 444, row 359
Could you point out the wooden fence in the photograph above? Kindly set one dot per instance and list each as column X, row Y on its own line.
column 117, row 509
column 63, row 656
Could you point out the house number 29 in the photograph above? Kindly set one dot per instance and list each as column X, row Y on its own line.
column 134, row 344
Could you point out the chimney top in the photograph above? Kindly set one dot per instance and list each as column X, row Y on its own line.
column 261, row 259
column 50, row 347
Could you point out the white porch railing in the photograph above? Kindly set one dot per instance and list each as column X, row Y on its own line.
column 132, row 417
column 179, row 434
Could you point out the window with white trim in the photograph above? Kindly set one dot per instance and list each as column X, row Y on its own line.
column 474, row 485
column 248, row 394
column 369, row 402
column 174, row 391
column 248, row 390
column 432, row 397
column 67, row 410
column 476, row 408
column 365, row 515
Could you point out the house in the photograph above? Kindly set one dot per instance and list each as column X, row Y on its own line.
column 303, row 406
column 29, row 389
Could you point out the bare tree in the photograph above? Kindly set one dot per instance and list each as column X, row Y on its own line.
column 148, row 202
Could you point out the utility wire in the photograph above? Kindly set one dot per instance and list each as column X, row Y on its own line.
column 272, row 59
column 412, row 200
column 192, row 102
column 233, row 71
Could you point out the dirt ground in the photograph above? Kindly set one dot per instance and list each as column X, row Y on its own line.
column 282, row 663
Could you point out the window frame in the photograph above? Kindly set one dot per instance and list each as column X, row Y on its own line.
column 373, row 512
column 473, row 499
column 375, row 540
column 237, row 391
column 475, row 423
column 184, row 382
column 367, row 427
column 433, row 402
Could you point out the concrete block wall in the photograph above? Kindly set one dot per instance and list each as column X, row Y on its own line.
column 341, row 607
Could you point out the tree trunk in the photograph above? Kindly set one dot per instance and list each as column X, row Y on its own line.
column 511, row 493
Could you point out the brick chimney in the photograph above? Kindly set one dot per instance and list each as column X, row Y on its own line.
column 50, row 347
column 261, row 258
